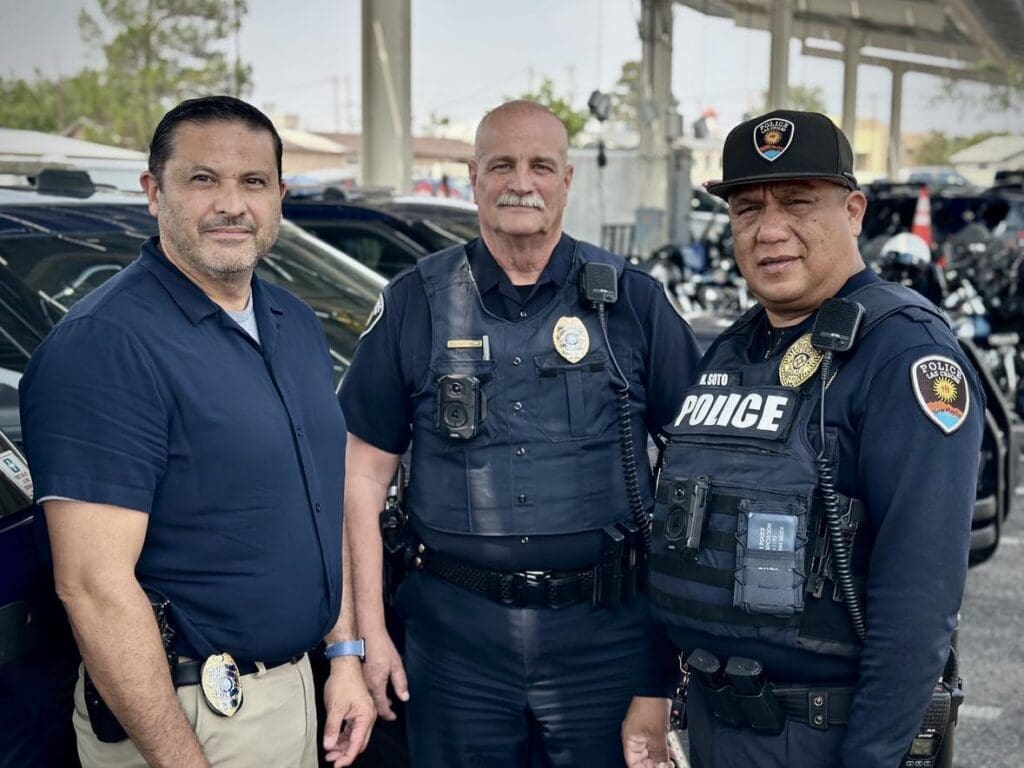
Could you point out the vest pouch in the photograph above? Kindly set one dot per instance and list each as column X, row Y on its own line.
column 771, row 545
column 575, row 400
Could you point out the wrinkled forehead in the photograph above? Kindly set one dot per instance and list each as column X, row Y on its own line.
column 535, row 132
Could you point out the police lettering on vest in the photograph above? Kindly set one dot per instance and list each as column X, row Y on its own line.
column 762, row 412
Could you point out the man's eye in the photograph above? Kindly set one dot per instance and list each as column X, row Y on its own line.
column 541, row 168
column 255, row 182
column 501, row 166
column 201, row 178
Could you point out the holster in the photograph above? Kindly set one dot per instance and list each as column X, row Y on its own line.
column 393, row 533
column 104, row 724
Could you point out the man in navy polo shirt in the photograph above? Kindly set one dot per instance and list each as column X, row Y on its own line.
column 524, row 626
column 188, row 451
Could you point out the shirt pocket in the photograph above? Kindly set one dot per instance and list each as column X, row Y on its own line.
column 574, row 400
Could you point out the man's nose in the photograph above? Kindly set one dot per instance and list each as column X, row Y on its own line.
column 522, row 179
column 774, row 225
column 229, row 199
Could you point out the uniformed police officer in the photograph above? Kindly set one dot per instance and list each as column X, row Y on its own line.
column 523, row 626
column 813, row 582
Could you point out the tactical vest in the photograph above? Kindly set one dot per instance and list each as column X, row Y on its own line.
column 740, row 545
column 547, row 458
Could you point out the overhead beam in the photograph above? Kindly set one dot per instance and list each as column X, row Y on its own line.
column 851, row 61
column 952, row 73
column 892, row 160
column 967, row 21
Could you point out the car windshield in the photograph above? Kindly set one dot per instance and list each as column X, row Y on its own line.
column 59, row 268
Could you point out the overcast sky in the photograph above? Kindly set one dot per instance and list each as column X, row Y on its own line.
column 469, row 54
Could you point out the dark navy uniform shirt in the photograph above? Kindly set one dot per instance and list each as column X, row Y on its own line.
column 918, row 485
column 391, row 362
column 148, row 396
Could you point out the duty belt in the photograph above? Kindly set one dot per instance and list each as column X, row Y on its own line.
column 818, row 707
column 618, row 576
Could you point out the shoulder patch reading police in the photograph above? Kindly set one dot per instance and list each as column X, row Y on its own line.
column 773, row 137
column 940, row 387
column 375, row 315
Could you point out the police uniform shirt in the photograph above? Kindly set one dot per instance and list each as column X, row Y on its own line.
column 392, row 358
column 148, row 396
column 918, row 486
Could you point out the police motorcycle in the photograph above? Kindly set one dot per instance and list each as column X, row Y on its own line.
column 38, row 656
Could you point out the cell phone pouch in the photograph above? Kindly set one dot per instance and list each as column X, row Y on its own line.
column 771, row 544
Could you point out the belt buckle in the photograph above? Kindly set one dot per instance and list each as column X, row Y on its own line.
column 555, row 583
column 530, row 588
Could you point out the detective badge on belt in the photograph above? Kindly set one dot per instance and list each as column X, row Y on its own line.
column 222, row 684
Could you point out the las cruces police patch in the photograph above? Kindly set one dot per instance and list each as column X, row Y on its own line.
column 940, row 387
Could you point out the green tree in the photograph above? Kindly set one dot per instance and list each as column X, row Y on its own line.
column 1005, row 94
column 937, row 148
column 573, row 119
column 627, row 93
column 158, row 52
column 809, row 98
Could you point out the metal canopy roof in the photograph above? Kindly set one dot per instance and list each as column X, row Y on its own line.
column 968, row 31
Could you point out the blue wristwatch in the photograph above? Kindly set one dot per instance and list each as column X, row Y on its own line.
column 346, row 648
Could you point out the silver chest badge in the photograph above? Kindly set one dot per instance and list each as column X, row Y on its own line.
column 571, row 339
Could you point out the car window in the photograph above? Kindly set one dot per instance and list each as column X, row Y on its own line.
column 381, row 251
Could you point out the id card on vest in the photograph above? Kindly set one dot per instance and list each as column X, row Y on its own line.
column 762, row 413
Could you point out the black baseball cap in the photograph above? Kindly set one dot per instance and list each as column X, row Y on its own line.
column 784, row 145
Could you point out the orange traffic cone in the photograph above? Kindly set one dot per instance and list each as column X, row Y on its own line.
column 922, row 226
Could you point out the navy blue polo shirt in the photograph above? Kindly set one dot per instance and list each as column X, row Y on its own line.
column 148, row 396
column 391, row 362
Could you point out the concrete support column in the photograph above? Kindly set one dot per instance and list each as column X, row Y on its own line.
column 851, row 60
column 387, row 95
column 892, row 163
column 782, row 32
column 656, row 105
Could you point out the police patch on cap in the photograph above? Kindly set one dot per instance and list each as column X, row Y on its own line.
column 375, row 315
column 940, row 387
column 773, row 137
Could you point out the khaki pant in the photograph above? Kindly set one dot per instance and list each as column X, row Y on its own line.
column 275, row 726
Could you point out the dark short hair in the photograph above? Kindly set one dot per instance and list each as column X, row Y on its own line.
column 207, row 109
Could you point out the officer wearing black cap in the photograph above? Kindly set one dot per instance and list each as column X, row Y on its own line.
column 814, row 508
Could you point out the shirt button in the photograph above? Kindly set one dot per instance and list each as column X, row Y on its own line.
column 522, row 313
column 524, row 540
column 517, row 360
column 298, row 432
column 317, row 506
column 517, row 406
column 520, row 451
column 521, row 498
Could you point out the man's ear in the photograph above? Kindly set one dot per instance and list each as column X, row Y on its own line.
column 568, row 175
column 856, row 205
column 151, row 187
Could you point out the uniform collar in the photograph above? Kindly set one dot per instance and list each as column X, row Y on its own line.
column 857, row 281
column 489, row 275
column 195, row 304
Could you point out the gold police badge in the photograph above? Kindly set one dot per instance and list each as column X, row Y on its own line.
column 222, row 684
column 799, row 363
column 571, row 338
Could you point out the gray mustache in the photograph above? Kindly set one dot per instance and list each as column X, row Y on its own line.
column 522, row 201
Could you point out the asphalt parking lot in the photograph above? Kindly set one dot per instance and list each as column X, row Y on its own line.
column 991, row 730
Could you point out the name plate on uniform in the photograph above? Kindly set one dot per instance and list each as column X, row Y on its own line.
column 764, row 413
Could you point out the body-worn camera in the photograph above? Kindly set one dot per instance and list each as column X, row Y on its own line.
column 461, row 406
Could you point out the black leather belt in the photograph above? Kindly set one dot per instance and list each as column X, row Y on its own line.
column 191, row 672
column 521, row 589
column 816, row 707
